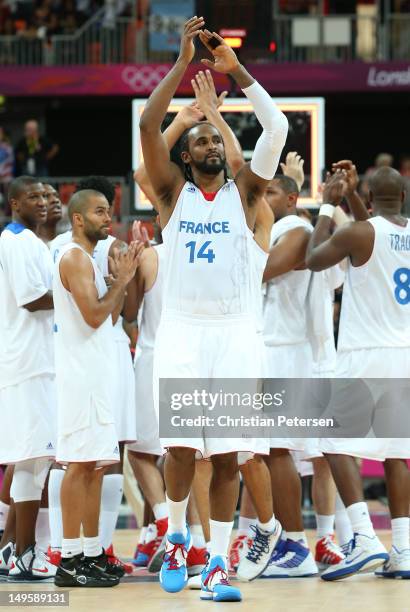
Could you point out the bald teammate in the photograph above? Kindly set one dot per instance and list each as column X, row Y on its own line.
column 374, row 342
column 210, row 285
column 87, row 437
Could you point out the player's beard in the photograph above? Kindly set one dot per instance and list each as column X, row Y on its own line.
column 94, row 235
column 210, row 168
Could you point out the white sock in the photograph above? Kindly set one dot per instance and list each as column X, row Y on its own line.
column 400, row 532
column 244, row 526
column 71, row 547
column 160, row 511
column 151, row 533
column 143, row 533
column 220, row 537
column 42, row 530
column 92, row 546
column 4, row 511
column 324, row 525
column 54, row 508
column 297, row 536
column 111, row 497
column 269, row 526
column 360, row 519
column 197, row 534
column 177, row 516
column 343, row 525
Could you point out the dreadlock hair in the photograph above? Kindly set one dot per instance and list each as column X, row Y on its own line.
column 182, row 145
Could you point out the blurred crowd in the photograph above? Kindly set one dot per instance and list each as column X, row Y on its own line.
column 41, row 19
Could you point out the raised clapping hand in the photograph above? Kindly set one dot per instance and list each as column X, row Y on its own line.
column 140, row 234
column 205, row 92
column 293, row 167
column 351, row 176
column 334, row 188
column 192, row 28
column 124, row 265
column 225, row 59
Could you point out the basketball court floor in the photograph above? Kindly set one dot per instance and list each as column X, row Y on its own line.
column 141, row 592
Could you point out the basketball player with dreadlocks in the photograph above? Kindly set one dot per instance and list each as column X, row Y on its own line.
column 208, row 327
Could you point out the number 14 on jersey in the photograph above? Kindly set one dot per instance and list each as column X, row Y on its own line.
column 203, row 252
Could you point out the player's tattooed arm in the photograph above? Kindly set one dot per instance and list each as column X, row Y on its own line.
column 166, row 178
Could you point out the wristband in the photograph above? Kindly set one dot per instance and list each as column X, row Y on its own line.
column 328, row 210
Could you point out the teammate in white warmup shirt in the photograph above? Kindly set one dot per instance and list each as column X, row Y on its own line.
column 87, row 437
column 374, row 342
column 27, row 385
column 208, row 326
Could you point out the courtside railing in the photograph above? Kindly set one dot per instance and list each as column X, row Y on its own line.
column 304, row 38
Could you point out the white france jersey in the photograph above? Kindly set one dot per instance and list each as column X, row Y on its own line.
column 83, row 355
column 100, row 256
column 152, row 305
column 26, row 338
column 285, row 301
column 376, row 296
column 210, row 251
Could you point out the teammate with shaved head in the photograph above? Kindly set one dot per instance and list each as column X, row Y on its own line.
column 374, row 342
column 87, row 437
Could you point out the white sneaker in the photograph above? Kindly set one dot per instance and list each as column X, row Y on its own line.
column 397, row 566
column 238, row 550
column 195, row 583
column 215, row 582
column 291, row 559
column 258, row 557
column 31, row 566
column 364, row 554
column 6, row 558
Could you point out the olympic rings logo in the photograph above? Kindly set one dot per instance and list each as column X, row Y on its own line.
column 144, row 78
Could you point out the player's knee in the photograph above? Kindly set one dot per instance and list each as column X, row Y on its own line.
column 226, row 464
column 184, row 455
column 28, row 480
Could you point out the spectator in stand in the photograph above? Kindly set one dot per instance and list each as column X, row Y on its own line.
column 382, row 160
column 6, row 158
column 34, row 152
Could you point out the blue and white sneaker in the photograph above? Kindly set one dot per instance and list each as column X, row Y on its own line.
column 257, row 559
column 215, row 583
column 291, row 559
column 397, row 566
column 173, row 575
column 363, row 554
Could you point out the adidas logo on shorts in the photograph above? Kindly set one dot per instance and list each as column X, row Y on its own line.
column 50, row 446
column 116, row 451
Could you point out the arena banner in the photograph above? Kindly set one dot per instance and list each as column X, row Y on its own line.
column 140, row 79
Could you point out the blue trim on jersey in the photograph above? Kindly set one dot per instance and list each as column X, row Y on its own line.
column 15, row 227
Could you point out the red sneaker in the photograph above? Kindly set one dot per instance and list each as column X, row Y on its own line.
column 327, row 552
column 54, row 556
column 158, row 546
column 238, row 550
column 114, row 560
column 196, row 560
column 141, row 556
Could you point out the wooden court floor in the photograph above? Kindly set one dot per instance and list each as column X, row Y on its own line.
column 357, row 594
